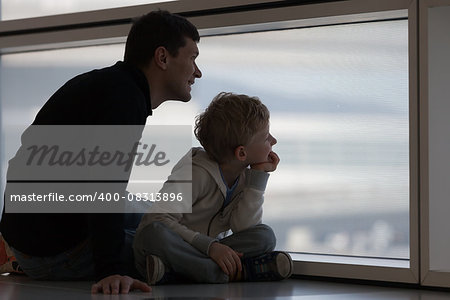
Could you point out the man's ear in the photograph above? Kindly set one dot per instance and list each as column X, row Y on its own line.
column 240, row 153
column 160, row 57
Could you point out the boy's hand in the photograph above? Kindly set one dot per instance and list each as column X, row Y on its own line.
column 267, row 166
column 227, row 259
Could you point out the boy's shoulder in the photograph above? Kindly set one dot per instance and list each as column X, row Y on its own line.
column 205, row 169
column 201, row 160
column 196, row 158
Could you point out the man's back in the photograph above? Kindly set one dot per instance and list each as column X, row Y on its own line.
column 114, row 95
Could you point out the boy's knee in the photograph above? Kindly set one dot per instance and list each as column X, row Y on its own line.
column 267, row 237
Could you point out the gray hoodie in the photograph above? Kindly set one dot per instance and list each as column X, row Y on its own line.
column 209, row 220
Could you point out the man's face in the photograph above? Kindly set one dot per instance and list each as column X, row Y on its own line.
column 183, row 71
column 260, row 146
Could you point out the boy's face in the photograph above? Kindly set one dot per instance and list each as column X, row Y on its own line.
column 260, row 146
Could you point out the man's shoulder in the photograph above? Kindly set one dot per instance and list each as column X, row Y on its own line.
column 104, row 75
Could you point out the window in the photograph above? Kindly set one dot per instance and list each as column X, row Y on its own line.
column 19, row 9
column 338, row 97
column 341, row 79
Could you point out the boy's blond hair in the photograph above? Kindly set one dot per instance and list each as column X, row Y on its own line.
column 229, row 121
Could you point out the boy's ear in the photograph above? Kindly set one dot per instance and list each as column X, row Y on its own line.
column 160, row 57
column 240, row 153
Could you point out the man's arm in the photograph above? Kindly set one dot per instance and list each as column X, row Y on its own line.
column 116, row 284
column 107, row 229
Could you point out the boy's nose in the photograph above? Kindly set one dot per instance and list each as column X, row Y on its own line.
column 274, row 140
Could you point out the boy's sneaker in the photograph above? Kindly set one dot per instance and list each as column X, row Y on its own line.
column 155, row 269
column 274, row 265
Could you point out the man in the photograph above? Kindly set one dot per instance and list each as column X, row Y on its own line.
column 159, row 64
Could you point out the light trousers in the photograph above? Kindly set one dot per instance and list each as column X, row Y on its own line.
column 183, row 259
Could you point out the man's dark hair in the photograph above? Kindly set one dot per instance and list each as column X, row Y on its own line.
column 155, row 29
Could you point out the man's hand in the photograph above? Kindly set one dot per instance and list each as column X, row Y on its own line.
column 116, row 284
column 227, row 259
column 267, row 166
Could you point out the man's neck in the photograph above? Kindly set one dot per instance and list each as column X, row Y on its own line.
column 155, row 85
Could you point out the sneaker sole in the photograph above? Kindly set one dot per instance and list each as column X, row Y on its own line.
column 285, row 264
column 153, row 265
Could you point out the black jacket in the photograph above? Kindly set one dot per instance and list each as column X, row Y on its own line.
column 116, row 95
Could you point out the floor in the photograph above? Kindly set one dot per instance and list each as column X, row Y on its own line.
column 20, row 287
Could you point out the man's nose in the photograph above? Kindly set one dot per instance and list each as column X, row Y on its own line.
column 197, row 73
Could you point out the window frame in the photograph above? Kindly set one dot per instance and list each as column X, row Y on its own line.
column 429, row 277
column 215, row 17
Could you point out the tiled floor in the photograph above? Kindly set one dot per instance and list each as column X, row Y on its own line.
column 14, row 287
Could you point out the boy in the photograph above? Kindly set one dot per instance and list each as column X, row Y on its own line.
column 226, row 194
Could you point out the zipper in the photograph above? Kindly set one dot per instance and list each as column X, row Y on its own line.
column 221, row 210
column 210, row 222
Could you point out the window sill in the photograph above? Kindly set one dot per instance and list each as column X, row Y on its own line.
column 351, row 260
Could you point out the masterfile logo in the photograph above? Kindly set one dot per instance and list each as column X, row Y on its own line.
column 96, row 168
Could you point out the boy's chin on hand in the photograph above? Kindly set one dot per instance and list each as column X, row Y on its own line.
column 259, row 166
column 267, row 166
